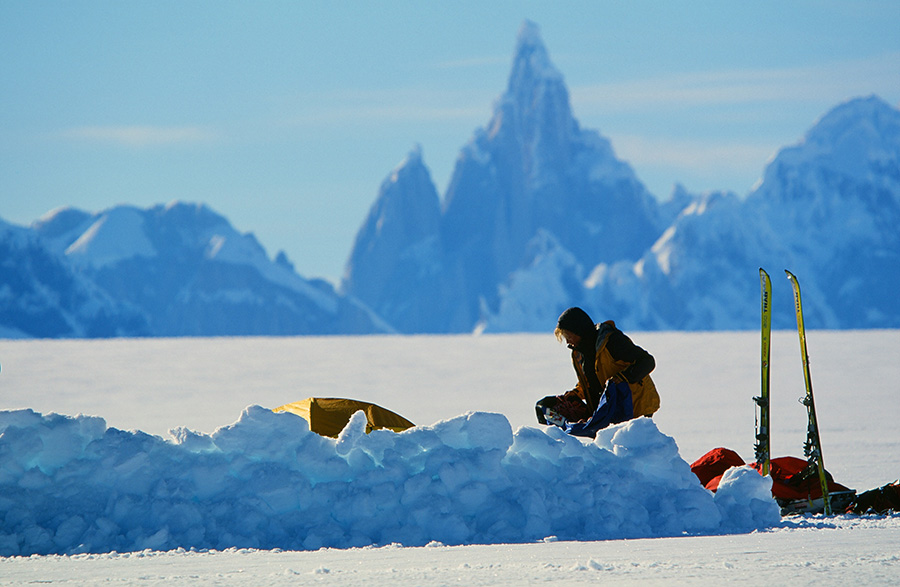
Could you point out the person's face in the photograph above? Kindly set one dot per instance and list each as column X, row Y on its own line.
column 572, row 339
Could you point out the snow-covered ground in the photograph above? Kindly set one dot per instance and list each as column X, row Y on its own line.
column 706, row 381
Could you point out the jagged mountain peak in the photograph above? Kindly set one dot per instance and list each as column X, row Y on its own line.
column 529, row 34
column 406, row 210
column 397, row 239
column 413, row 163
column 531, row 170
column 536, row 202
column 536, row 91
column 409, row 187
column 531, row 63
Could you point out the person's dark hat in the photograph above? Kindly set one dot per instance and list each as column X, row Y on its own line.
column 576, row 321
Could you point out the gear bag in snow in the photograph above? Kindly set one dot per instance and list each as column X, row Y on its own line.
column 795, row 486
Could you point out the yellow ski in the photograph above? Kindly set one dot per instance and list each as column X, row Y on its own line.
column 763, row 435
column 813, row 446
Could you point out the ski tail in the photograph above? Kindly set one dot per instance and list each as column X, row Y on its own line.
column 813, row 446
column 763, row 429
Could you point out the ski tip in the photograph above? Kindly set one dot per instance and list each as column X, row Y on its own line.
column 789, row 274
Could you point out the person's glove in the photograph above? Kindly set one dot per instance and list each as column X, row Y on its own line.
column 572, row 409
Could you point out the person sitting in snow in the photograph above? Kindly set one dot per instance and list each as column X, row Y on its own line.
column 614, row 382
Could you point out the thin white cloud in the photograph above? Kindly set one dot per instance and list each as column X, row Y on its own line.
column 395, row 105
column 726, row 98
column 830, row 82
column 400, row 113
column 140, row 136
column 702, row 157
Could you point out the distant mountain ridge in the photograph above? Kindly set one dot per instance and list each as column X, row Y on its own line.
column 539, row 215
column 828, row 209
column 531, row 170
column 176, row 270
column 41, row 296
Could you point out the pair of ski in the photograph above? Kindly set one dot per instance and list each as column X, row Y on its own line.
column 813, row 447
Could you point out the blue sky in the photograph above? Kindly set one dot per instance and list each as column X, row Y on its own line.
column 286, row 116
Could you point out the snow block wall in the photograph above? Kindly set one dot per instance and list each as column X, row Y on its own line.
column 72, row 485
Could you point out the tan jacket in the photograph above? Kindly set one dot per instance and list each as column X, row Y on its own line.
column 644, row 396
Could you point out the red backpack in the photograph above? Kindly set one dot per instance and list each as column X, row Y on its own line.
column 794, row 485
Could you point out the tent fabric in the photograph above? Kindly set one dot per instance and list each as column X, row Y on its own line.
column 328, row 416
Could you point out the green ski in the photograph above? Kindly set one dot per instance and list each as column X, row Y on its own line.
column 763, row 434
column 813, row 446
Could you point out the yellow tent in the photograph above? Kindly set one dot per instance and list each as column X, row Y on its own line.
column 328, row 416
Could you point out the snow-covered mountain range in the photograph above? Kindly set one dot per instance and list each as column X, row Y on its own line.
column 828, row 209
column 539, row 215
column 176, row 270
column 41, row 296
column 531, row 175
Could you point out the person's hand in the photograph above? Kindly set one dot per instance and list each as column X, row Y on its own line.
column 573, row 409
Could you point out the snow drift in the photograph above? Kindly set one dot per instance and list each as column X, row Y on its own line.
column 72, row 484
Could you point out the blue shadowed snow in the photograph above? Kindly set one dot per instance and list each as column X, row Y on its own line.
column 70, row 485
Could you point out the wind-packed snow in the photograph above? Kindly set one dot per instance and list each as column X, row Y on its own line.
column 247, row 501
column 72, row 485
